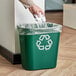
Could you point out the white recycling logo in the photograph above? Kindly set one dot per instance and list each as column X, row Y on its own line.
column 48, row 40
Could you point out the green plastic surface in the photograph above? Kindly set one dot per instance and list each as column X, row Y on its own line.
column 35, row 59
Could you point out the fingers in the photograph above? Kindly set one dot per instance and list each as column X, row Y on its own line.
column 33, row 11
column 39, row 10
column 42, row 12
column 36, row 10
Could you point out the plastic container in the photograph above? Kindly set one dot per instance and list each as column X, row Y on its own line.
column 39, row 45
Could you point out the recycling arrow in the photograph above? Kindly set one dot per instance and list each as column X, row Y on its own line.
column 48, row 40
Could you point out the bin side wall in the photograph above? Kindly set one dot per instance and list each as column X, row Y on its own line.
column 33, row 57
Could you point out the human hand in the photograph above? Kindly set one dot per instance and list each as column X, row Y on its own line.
column 34, row 9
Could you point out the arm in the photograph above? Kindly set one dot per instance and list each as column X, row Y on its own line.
column 27, row 2
column 34, row 9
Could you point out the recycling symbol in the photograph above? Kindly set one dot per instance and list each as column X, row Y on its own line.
column 48, row 41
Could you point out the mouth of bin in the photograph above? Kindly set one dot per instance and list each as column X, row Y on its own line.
column 35, row 28
column 40, row 26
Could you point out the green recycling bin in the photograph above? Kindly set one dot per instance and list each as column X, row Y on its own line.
column 39, row 45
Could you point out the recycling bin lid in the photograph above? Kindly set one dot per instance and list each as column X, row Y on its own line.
column 39, row 28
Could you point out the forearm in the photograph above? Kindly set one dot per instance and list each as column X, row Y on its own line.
column 34, row 9
column 27, row 2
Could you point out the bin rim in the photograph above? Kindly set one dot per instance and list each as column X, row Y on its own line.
column 55, row 26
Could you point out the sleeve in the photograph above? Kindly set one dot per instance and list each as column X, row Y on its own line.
column 27, row 3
